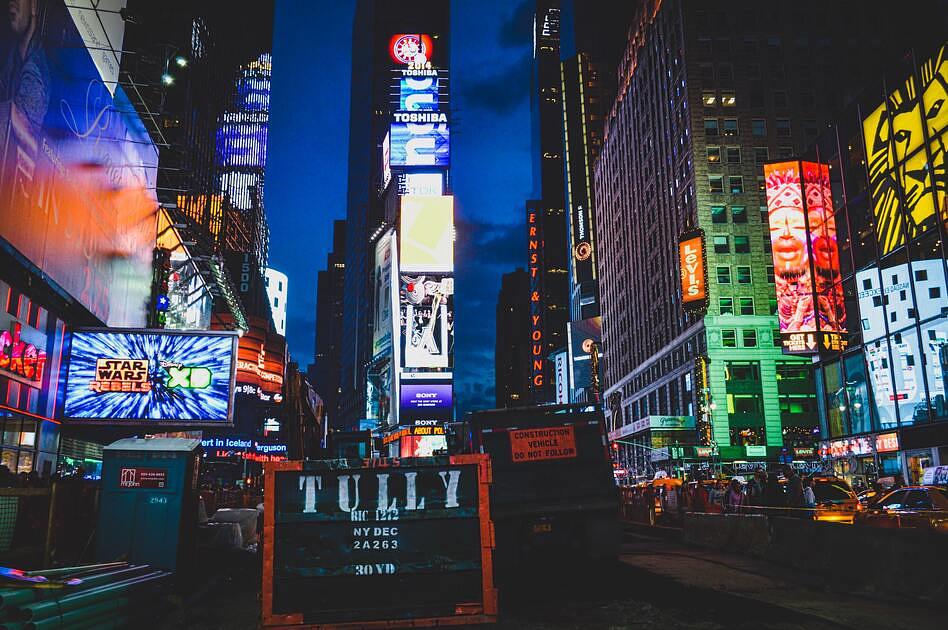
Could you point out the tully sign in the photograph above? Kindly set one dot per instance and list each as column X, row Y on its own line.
column 368, row 543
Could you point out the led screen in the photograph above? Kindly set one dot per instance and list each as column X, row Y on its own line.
column 420, row 144
column 427, row 321
column 418, row 93
column 694, row 294
column 421, row 184
column 425, row 401
column 903, row 180
column 243, row 144
column 427, row 234
column 384, row 294
column 422, row 445
column 410, row 48
column 821, row 221
column 152, row 377
column 810, row 304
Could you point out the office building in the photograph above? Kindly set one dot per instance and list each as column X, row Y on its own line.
column 512, row 347
column 330, row 289
column 708, row 94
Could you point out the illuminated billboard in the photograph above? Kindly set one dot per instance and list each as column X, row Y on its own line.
column 418, row 92
column 150, row 377
column 427, row 321
column 694, row 271
column 77, row 169
column 386, row 161
column 810, row 304
column 421, row 143
column 903, row 179
column 537, row 304
column 421, row 184
column 585, row 358
column 410, row 48
column 386, row 291
column 425, row 401
column 427, row 234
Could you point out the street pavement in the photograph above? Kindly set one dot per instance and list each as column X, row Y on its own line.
column 658, row 583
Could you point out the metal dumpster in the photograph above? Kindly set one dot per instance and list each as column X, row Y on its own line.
column 148, row 505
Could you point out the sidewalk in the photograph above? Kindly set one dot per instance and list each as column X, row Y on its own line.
column 755, row 581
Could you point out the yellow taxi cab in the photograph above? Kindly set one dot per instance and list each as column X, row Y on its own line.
column 835, row 500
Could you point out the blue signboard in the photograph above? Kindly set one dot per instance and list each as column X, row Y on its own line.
column 420, row 144
column 418, row 93
column 150, row 377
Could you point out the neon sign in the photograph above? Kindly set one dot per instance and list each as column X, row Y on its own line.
column 19, row 356
column 535, row 251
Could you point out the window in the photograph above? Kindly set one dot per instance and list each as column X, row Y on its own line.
column 810, row 128
column 714, row 155
column 758, row 127
column 723, row 47
column 742, row 245
column 920, row 275
column 726, row 306
column 735, row 184
column 752, row 71
column 716, row 183
column 783, row 128
column 770, row 274
column 934, row 293
column 749, row 338
column 726, row 74
column 768, row 246
column 750, row 48
column 761, row 155
column 276, row 302
column 724, row 275
column 707, row 74
column 704, row 47
column 746, row 305
column 729, row 338
column 743, row 275
column 718, row 214
column 785, row 151
column 730, row 126
column 761, row 184
column 728, row 99
column 709, row 99
column 780, row 99
column 778, row 342
column 739, row 214
column 721, row 245
column 764, row 218
column 733, row 155
column 711, row 126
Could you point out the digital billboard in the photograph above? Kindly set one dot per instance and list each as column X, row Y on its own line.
column 425, row 400
column 386, row 161
column 420, row 143
column 150, row 377
column 385, row 294
column 427, row 234
column 810, row 304
column 418, row 92
column 410, row 48
column 427, row 321
column 904, row 182
column 585, row 358
column 423, row 184
column 77, row 167
column 694, row 271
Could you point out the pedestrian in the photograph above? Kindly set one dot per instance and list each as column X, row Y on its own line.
column 809, row 497
column 794, row 491
column 734, row 499
column 699, row 498
column 772, row 496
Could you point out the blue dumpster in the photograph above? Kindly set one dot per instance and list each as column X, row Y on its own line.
column 148, row 504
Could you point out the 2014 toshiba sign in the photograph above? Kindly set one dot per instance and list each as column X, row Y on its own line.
column 694, row 292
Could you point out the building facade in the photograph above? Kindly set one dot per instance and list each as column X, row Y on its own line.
column 882, row 398
column 679, row 184
column 330, row 289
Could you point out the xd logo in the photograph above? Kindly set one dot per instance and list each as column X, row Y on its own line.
column 187, row 377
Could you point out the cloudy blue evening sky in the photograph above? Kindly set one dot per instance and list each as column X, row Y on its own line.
column 308, row 146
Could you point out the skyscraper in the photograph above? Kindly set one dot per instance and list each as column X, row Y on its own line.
column 512, row 347
column 372, row 205
column 707, row 95
column 549, row 239
column 330, row 289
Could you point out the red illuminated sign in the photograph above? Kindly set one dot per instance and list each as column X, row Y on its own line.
column 410, row 48
column 694, row 293
column 20, row 357
column 535, row 267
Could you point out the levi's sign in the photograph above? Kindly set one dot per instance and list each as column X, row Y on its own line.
column 691, row 260
column 374, row 543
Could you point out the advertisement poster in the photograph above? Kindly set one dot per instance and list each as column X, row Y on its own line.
column 694, row 274
column 152, row 377
column 382, row 323
column 78, row 168
column 821, row 220
column 427, row 234
column 425, row 400
column 585, row 338
column 420, row 144
column 427, row 321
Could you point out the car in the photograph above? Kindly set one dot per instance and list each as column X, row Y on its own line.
column 835, row 500
column 924, row 507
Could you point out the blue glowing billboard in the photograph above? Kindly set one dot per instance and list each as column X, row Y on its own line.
column 150, row 377
column 420, row 143
column 418, row 93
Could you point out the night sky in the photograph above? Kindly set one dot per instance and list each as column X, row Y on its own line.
column 492, row 169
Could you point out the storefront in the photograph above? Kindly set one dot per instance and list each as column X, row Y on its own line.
column 422, row 439
column 654, row 443
column 863, row 459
